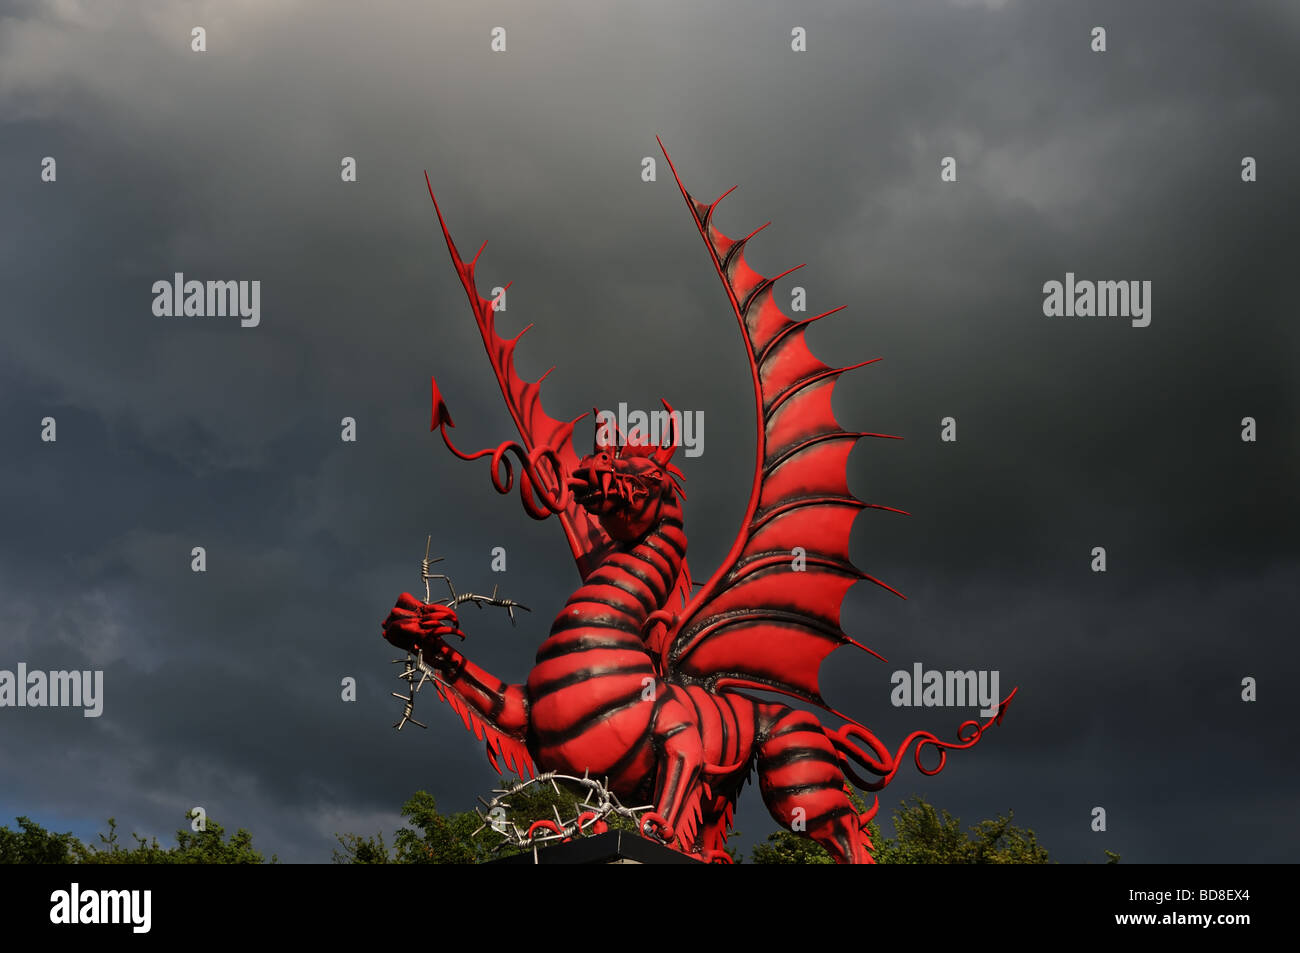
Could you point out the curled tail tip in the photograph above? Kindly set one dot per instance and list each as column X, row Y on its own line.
column 1002, row 708
column 440, row 413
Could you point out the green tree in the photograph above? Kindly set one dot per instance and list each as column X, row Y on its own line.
column 32, row 844
column 430, row 838
column 208, row 846
column 923, row 836
column 435, row 838
column 927, row 836
column 361, row 850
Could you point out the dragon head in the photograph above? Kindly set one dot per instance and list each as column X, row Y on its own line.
column 626, row 484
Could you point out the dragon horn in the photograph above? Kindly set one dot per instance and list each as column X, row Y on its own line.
column 662, row 455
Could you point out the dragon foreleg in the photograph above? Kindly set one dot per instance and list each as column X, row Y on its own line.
column 496, row 711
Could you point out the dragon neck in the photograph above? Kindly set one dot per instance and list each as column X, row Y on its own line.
column 651, row 562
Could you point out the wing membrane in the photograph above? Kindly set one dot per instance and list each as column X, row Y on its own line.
column 770, row 615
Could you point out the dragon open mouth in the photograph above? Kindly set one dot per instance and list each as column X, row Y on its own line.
column 601, row 489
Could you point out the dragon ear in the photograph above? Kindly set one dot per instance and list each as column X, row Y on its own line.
column 595, row 431
column 662, row 455
column 678, row 479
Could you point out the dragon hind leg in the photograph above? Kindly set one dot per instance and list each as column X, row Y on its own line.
column 803, row 787
column 680, row 752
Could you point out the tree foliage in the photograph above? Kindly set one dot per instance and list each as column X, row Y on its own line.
column 922, row 836
column 33, row 844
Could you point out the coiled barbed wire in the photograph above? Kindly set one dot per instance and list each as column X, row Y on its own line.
column 414, row 663
column 598, row 805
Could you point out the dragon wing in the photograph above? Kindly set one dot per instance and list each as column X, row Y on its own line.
column 589, row 543
column 756, row 623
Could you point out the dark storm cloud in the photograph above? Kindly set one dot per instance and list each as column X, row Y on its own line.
column 223, row 688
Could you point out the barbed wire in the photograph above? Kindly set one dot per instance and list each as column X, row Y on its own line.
column 598, row 805
column 414, row 662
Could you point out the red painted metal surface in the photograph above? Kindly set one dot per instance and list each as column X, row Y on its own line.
column 643, row 679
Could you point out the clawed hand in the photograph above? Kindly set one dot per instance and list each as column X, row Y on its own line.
column 414, row 625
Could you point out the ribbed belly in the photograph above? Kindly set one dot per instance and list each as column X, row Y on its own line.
column 589, row 704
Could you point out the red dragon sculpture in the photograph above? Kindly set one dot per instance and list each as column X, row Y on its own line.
column 644, row 680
